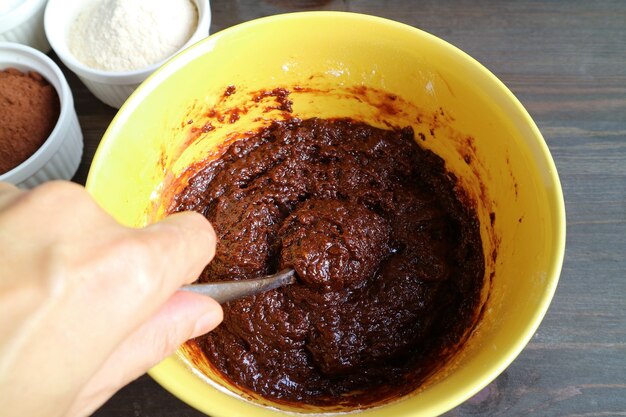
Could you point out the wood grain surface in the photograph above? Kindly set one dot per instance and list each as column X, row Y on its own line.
column 566, row 62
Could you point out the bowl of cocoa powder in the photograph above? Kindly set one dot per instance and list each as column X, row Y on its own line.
column 40, row 138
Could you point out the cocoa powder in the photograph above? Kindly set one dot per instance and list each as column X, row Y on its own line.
column 29, row 110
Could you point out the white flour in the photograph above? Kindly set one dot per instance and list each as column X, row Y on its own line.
column 123, row 35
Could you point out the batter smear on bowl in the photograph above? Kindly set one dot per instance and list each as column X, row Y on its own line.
column 388, row 257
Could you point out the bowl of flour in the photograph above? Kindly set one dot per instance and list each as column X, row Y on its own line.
column 114, row 45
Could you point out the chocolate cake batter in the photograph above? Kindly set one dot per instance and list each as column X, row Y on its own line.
column 389, row 261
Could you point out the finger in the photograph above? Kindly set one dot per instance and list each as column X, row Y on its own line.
column 5, row 186
column 154, row 263
column 8, row 192
column 184, row 316
column 183, row 244
column 55, row 210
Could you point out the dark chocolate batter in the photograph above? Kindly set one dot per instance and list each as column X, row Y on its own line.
column 389, row 260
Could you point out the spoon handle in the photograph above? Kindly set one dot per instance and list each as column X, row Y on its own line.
column 225, row 291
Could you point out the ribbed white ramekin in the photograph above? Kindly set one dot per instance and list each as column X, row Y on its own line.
column 111, row 87
column 24, row 25
column 60, row 154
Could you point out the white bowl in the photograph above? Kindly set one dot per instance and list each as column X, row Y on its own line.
column 111, row 87
column 24, row 24
column 60, row 154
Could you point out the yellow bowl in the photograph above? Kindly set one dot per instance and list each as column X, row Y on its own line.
column 384, row 73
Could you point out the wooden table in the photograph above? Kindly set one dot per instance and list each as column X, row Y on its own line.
column 566, row 61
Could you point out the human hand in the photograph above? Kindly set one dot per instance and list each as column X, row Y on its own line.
column 88, row 305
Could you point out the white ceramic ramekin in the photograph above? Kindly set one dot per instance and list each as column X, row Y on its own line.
column 111, row 87
column 60, row 154
column 24, row 24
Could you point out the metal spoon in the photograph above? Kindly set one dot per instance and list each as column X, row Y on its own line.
column 226, row 291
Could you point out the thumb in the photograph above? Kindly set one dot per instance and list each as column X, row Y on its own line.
column 186, row 315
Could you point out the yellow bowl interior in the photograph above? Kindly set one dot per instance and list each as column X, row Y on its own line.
column 466, row 115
